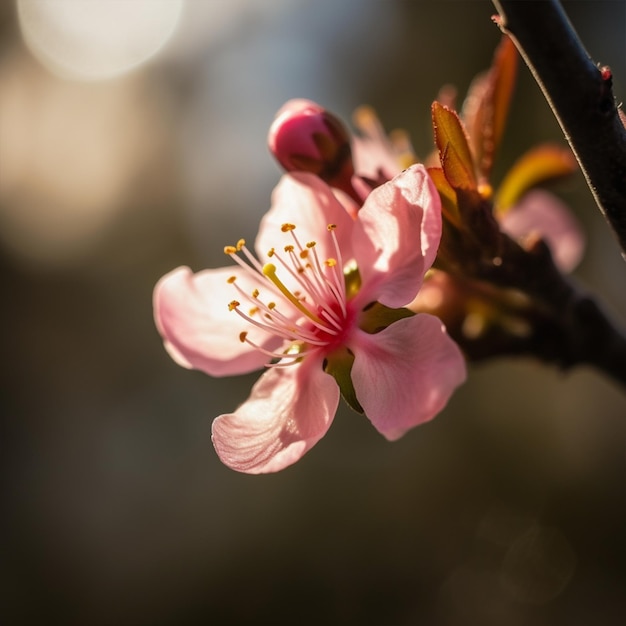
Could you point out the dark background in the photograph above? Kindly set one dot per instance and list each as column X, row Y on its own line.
column 509, row 508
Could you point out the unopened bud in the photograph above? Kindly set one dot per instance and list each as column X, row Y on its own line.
column 305, row 137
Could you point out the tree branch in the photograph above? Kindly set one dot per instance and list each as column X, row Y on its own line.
column 570, row 328
column 526, row 307
column 580, row 95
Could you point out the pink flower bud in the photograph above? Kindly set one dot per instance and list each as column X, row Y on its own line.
column 306, row 137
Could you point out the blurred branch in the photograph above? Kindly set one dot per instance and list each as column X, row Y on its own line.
column 580, row 95
column 570, row 328
column 526, row 306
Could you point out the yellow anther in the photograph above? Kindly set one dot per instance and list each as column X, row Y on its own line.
column 271, row 306
column 255, row 293
column 365, row 118
column 288, row 248
column 331, row 226
column 231, row 279
column 241, row 243
column 271, row 252
column 304, row 254
column 243, row 336
column 253, row 311
column 233, row 304
column 311, row 244
column 287, row 227
column 230, row 250
column 330, row 262
column 485, row 190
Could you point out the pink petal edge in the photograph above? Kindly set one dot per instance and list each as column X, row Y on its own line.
column 199, row 332
column 289, row 410
column 310, row 204
column 396, row 237
column 404, row 375
column 541, row 212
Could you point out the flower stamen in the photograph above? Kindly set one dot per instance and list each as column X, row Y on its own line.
column 294, row 356
column 276, row 323
column 269, row 270
column 321, row 299
column 317, row 285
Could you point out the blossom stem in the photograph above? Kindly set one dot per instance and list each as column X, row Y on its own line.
column 580, row 95
column 569, row 328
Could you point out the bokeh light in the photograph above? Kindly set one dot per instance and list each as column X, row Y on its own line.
column 70, row 156
column 96, row 39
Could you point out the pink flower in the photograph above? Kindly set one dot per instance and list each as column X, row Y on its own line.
column 306, row 137
column 324, row 312
column 529, row 212
column 525, row 211
column 379, row 156
column 540, row 213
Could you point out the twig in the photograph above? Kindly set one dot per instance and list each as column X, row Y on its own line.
column 570, row 327
column 580, row 95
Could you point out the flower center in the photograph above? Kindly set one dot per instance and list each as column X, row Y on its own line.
column 307, row 306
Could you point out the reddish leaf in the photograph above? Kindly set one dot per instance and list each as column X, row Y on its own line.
column 454, row 151
column 473, row 114
column 504, row 69
column 486, row 106
column 446, row 193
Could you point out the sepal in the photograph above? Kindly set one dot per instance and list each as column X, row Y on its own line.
column 339, row 365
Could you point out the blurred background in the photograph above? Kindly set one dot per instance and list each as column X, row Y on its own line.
column 132, row 141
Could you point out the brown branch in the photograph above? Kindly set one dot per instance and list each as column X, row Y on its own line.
column 570, row 328
column 529, row 308
column 580, row 95
column 505, row 298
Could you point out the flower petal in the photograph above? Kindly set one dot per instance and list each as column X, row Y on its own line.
column 289, row 410
column 540, row 212
column 304, row 200
column 404, row 375
column 372, row 150
column 199, row 332
column 396, row 237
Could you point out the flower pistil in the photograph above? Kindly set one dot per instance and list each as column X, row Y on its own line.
column 310, row 313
